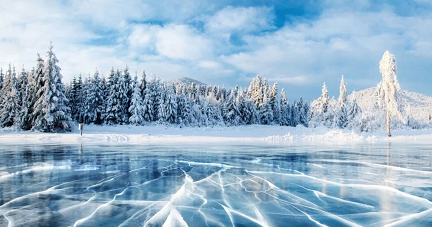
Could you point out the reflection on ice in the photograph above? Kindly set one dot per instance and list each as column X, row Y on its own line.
column 373, row 185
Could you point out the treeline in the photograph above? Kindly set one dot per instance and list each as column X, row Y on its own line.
column 123, row 100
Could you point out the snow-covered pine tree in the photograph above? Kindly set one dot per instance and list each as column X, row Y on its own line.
column 113, row 103
column 213, row 111
column 354, row 115
column 128, row 88
column 170, row 105
column 143, row 84
column 341, row 114
column 241, row 105
column 99, row 102
column 184, row 110
column 343, row 96
column 94, row 102
column 39, row 92
column 77, row 93
column 319, row 110
column 156, row 93
column 148, row 112
column 284, row 109
column 295, row 109
column 22, row 118
column 123, row 93
column 273, row 101
column 54, row 115
column 70, row 95
column 1, row 80
column 136, row 109
column 104, row 89
column 22, row 83
column 162, row 104
column 266, row 113
column 88, row 97
column 304, row 113
column 389, row 88
column 9, row 103
column 230, row 110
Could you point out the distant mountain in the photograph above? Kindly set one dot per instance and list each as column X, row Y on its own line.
column 420, row 104
column 185, row 81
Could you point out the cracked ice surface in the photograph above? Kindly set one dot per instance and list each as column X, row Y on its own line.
column 216, row 185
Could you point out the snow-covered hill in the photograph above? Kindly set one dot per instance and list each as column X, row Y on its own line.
column 420, row 105
column 185, row 82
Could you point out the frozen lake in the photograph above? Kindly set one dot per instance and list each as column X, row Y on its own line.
column 214, row 185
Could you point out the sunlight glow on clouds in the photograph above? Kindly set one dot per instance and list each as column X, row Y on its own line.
column 226, row 42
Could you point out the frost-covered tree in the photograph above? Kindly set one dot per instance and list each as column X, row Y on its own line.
column 266, row 112
column 22, row 83
column 389, row 88
column 10, row 102
column 93, row 100
column 184, row 110
column 320, row 113
column 104, row 89
column 170, row 105
column 1, row 80
column 341, row 113
column 354, row 115
column 136, row 108
column 148, row 101
column 273, row 93
column 230, row 110
column 284, row 110
column 22, row 120
column 113, row 103
column 51, row 107
column 161, row 104
column 124, row 93
column 343, row 96
column 87, row 93
column 143, row 84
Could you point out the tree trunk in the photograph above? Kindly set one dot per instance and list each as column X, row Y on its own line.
column 388, row 123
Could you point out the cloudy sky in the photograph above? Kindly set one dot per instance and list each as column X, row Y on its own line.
column 299, row 44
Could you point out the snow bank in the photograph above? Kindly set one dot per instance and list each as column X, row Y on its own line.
column 240, row 134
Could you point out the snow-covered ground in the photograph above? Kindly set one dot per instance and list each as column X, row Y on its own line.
column 245, row 134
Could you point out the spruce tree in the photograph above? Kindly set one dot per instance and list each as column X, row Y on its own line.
column 171, row 105
column 284, row 109
column 104, row 89
column 1, row 80
column 113, row 108
column 9, row 103
column 23, row 120
column 148, row 104
column 136, row 109
column 53, row 113
column 143, row 84
column 123, row 91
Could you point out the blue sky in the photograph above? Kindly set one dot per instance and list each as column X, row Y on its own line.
column 299, row 44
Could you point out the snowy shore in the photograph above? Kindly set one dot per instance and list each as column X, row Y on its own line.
column 241, row 134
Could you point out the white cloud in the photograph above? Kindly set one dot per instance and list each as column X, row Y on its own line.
column 240, row 19
column 183, row 42
column 210, row 65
